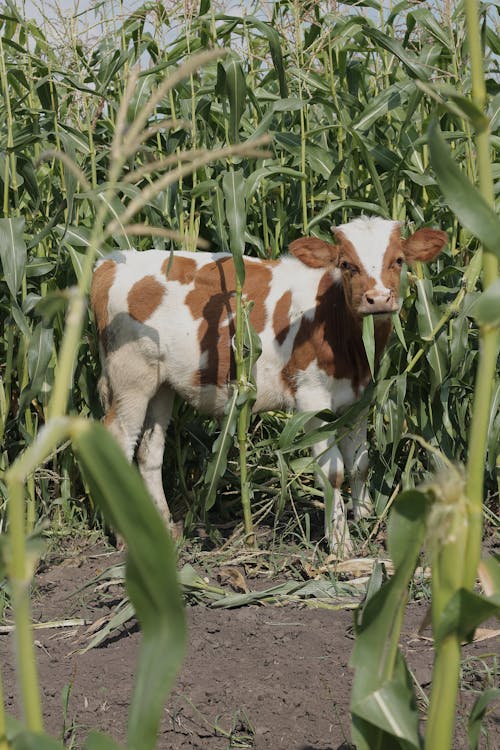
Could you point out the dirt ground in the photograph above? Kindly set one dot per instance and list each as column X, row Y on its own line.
column 262, row 677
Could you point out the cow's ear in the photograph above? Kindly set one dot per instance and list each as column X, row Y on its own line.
column 314, row 252
column 424, row 245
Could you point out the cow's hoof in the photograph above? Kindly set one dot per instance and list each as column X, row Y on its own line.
column 340, row 543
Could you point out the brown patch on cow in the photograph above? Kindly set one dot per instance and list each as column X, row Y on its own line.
column 179, row 269
column 144, row 298
column 333, row 338
column 213, row 303
column 102, row 281
column 281, row 317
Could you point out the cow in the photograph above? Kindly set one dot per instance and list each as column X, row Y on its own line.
column 166, row 321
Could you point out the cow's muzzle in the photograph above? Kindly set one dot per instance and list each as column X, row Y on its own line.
column 375, row 302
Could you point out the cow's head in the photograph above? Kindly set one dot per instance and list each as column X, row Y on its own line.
column 367, row 259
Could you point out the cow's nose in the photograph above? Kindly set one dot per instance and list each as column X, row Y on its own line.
column 378, row 301
column 374, row 297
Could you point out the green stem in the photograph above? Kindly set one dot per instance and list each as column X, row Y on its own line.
column 445, row 678
column 19, row 567
column 20, row 587
column 10, row 157
column 488, row 336
column 477, row 450
column 68, row 352
column 243, row 420
column 243, row 416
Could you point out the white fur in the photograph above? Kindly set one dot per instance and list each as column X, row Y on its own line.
column 370, row 238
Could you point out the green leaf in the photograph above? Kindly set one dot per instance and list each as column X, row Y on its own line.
column 51, row 305
column 407, row 519
column 389, row 99
column 264, row 175
column 275, row 44
column 464, row 611
column 123, row 612
column 252, row 347
column 38, row 267
column 392, row 709
column 428, row 318
column 411, row 61
column 233, row 187
column 486, row 309
column 369, row 341
column 429, row 21
column 461, row 196
column 380, row 671
column 74, row 236
column 151, row 574
column 453, row 101
column 236, row 92
column 218, row 463
column 35, row 741
column 13, row 252
column 477, row 715
column 39, row 355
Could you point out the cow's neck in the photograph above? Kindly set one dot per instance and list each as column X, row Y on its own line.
column 342, row 352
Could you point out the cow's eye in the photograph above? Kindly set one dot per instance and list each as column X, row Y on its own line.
column 345, row 266
column 399, row 261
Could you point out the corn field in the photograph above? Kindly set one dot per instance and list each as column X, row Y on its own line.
column 347, row 95
column 347, row 105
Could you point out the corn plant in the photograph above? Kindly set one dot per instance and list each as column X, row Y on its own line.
column 448, row 512
column 116, row 487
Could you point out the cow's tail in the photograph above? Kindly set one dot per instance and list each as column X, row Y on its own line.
column 104, row 384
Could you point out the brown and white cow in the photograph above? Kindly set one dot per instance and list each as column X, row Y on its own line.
column 165, row 326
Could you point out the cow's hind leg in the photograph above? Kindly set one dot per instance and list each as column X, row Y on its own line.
column 137, row 406
column 152, row 445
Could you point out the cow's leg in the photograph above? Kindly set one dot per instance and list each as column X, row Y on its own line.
column 135, row 406
column 151, row 447
column 354, row 449
column 125, row 418
column 331, row 467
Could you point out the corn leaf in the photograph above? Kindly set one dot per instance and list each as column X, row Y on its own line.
column 150, row 574
column 369, row 341
column 477, row 715
column 233, row 187
column 218, row 463
column 380, row 672
column 35, row 741
column 462, row 197
column 12, row 252
column 464, row 612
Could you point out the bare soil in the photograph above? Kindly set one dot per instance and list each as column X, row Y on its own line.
column 262, row 677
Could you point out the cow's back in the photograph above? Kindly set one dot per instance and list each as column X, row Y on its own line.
column 175, row 314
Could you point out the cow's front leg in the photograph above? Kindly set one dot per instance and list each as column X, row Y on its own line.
column 354, row 449
column 331, row 469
